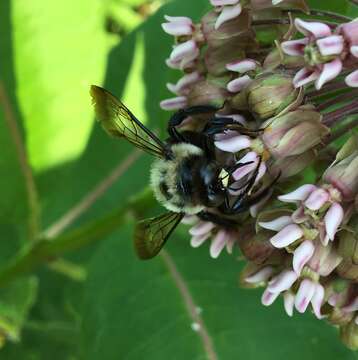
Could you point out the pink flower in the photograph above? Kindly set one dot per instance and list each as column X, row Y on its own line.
column 220, row 238
column 322, row 50
column 315, row 198
column 309, row 291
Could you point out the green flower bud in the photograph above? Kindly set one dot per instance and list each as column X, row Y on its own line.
column 348, row 249
column 349, row 335
column 228, row 43
column 258, row 249
column 207, row 92
column 339, row 317
column 269, row 94
column 294, row 133
column 343, row 174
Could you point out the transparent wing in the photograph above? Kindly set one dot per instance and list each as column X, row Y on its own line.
column 151, row 234
column 119, row 122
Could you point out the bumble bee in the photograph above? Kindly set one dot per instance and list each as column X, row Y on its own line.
column 185, row 177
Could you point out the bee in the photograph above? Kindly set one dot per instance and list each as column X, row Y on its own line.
column 186, row 175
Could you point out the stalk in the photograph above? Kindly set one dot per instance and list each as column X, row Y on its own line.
column 46, row 249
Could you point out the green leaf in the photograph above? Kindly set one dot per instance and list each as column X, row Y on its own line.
column 15, row 303
column 60, row 50
column 135, row 310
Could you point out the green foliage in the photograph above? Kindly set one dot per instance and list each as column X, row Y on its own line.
column 51, row 53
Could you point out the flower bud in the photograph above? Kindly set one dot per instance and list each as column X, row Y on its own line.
column 349, row 335
column 228, row 43
column 343, row 174
column 294, row 133
column 269, row 94
column 325, row 259
column 348, row 249
column 339, row 317
column 293, row 165
column 208, row 93
column 257, row 249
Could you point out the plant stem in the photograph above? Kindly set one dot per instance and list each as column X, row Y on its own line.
column 324, row 13
column 25, row 167
column 342, row 131
column 337, row 99
column 331, row 118
column 47, row 249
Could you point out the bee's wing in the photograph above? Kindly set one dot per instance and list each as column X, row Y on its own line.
column 151, row 234
column 118, row 121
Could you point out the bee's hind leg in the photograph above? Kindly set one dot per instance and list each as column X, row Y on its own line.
column 177, row 118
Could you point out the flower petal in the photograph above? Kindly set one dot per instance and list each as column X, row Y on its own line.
column 260, row 276
column 288, row 302
column 352, row 306
column 330, row 71
column 352, row 79
column 305, row 76
column 228, row 13
column 276, row 224
column 223, row 2
column 294, row 47
column 233, row 144
column 282, row 282
column 183, row 50
column 197, row 240
column 242, row 66
column 317, row 300
column 218, row 243
column 176, row 103
column 268, row 298
column 302, row 255
column 238, row 84
column 178, row 19
column 317, row 199
column 286, row 236
column 236, row 117
column 331, row 45
column 300, row 194
column 354, row 50
column 312, row 28
column 177, row 28
column 201, row 228
column 333, row 219
column 304, row 295
column 189, row 220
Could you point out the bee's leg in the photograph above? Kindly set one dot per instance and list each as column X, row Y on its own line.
column 243, row 197
column 218, row 125
column 243, row 203
column 181, row 115
column 217, row 219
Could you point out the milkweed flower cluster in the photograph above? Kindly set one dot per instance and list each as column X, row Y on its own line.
column 285, row 97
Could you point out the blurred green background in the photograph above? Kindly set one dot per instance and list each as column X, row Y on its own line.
column 59, row 171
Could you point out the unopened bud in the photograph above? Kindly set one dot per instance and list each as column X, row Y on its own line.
column 258, row 249
column 343, row 174
column 228, row 43
column 207, row 92
column 269, row 94
column 294, row 133
column 349, row 335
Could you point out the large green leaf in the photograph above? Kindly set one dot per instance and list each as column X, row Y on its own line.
column 135, row 310
column 60, row 50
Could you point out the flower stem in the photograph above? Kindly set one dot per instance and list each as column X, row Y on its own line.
column 332, row 117
column 45, row 250
column 325, row 13
column 342, row 131
column 351, row 95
